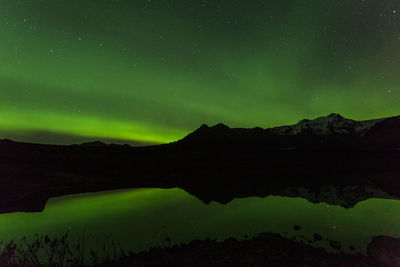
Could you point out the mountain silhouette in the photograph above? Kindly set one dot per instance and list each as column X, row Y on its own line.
column 328, row 159
column 384, row 135
column 94, row 144
column 329, row 132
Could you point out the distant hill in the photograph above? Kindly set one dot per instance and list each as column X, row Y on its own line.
column 94, row 144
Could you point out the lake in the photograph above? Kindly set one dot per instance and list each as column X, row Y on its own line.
column 142, row 218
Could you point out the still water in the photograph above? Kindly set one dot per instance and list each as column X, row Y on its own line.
column 142, row 218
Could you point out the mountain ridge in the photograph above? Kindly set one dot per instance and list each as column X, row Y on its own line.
column 331, row 131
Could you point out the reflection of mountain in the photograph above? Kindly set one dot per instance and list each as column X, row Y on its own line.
column 330, row 159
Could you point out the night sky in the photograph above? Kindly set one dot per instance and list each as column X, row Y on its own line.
column 151, row 71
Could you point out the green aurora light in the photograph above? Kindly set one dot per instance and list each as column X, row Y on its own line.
column 152, row 71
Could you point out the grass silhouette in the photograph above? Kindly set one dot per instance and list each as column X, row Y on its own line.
column 58, row 251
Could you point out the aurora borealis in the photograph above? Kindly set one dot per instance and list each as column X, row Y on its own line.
column 151, row 71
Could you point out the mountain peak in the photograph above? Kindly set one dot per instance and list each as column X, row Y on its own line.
column 203, row 127
column 333, row 123
column 330, row 117
column 220, row 126
column 335, row 115
column 217, row 127
column 207, row 134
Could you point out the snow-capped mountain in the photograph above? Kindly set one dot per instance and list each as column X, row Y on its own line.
column 331, row 124
column 332, row 131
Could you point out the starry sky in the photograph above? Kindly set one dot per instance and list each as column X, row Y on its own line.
column 151, row 71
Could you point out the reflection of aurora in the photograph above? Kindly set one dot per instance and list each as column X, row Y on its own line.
column 153, row 71
column 145, row 217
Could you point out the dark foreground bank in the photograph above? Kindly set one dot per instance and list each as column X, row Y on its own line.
column 264, row 250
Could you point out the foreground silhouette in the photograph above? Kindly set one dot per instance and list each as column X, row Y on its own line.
column 330, row 159
column 266, row 249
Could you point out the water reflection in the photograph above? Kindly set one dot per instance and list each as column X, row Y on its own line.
column 141, row 218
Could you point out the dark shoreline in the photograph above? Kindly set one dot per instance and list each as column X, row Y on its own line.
column 264, row 250
column 32, row 173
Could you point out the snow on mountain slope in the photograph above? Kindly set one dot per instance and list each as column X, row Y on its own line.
column 331, row 124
